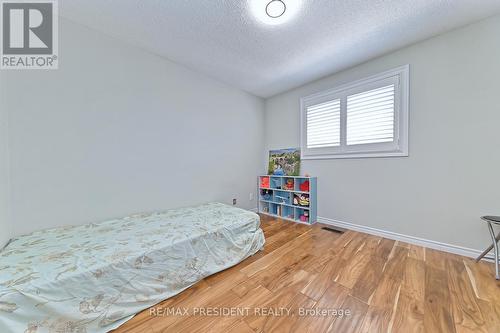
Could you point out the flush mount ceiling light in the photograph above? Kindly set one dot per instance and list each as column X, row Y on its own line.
column 275, row 8
column 274, row 12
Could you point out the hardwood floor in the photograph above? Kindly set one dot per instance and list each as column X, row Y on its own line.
column 387, row 286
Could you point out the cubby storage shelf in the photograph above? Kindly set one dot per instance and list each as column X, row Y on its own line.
column 276, row 198
column 268, row 188
column 284, row 204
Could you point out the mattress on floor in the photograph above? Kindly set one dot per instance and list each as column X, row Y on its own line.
column 94, row 277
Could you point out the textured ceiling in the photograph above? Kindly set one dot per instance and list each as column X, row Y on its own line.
column 225, row 40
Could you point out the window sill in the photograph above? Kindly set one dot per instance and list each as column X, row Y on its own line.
column 355, row 155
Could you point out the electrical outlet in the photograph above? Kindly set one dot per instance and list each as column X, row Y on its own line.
column 234, row 201
column 251, row 196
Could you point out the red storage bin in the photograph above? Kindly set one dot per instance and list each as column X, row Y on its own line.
column 264, row 182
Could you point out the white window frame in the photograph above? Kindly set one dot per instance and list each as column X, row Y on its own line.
column 398, row 148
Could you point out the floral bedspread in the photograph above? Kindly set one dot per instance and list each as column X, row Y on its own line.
column 94, row 277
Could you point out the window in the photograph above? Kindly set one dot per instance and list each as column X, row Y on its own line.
column 366, row 118
column 323, row 125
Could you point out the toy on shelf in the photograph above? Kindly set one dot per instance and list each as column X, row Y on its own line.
column 279, row 172
column 266, row 195
column 304, row 217
column 304, row 187
column 301, row 200
column 289, row 184
column 304, row 200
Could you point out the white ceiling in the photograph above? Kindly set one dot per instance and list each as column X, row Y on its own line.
column 223, row 39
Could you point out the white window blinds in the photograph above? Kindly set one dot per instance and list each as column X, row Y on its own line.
column 365, row 118
column 370, row 116
column 323, row 125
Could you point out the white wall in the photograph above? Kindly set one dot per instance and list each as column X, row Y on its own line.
column 117, row 130
column 453, row 173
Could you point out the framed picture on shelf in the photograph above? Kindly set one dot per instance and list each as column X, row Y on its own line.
column 284, row 162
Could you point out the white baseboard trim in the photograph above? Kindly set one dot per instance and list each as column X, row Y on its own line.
column 460, row 250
